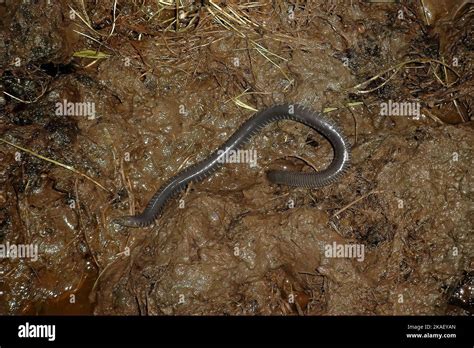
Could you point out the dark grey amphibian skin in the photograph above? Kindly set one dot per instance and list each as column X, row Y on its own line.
column 208, row 166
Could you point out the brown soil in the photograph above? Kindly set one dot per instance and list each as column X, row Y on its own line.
column 166, row 96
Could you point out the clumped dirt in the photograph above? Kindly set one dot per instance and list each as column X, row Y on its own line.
column 170, row 91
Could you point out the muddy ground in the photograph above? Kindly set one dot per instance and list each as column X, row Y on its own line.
column 169, row 84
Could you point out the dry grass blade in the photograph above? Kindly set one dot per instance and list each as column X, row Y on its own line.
column 91, row 54
column 87, row 36
column 114, row 19
column 329, row 109
column 43, row 91
column 233, row 19
column 355, row 201
column 396, row 68
column 225, row 23
column 242, row 104
column 70, row 168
